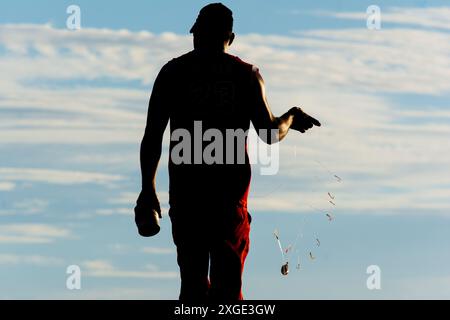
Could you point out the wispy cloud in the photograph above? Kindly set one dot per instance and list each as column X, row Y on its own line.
column 77, row 113
column 335, row 60
column 125, row 198
column 31, row 206
column 119, row 292
column 351, row 202
column 31, row 233
column 63, row 177
column 7, row 186
column 104, row 269
column 114, row 211
column 120, row 248
column 432, row 17
column 127, row 201
column 156, row 250
column 33, row 260
column 25, row 207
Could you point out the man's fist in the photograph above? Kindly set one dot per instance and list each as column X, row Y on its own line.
column 147, row 214
column 302, row 121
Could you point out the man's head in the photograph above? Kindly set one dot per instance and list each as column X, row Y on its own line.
column 213, row 27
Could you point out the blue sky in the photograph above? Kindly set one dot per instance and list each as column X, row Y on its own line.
column 73, row 107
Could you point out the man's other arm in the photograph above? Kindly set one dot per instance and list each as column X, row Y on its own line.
column 151, row 145
column 263, row 118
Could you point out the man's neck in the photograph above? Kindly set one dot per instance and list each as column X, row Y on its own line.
column 209, row 51
column 209, row 46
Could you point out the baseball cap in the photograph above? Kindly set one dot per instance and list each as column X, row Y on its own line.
column 214, row 18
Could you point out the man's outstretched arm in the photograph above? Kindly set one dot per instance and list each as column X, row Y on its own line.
column 151, row 146
column 262, row 117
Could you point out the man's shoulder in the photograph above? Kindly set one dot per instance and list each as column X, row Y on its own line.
column 238, row 60
column 190, row 58
column 180, row 60
column 241, row 63
column 174, row 65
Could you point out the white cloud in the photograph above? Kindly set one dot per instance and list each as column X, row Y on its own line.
column 103, row 159
column 129, row 199
column 31, row 233
column 433, row 17
column 34, row 260
column 30, row 206
column 156, row 250
column 115, row 293
column 114, row 211
column 104, row 269
column 63, row 177
column 119, row 248
column 25, row 207
column 77, row 113
column 332, row 60
column 349, row 202
column 7, row 186
column 125, row 198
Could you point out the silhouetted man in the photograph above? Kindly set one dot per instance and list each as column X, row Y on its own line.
column 208, row 200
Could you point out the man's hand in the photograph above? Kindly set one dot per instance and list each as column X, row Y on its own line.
column 302, row 121
column 147, row 213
